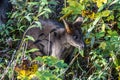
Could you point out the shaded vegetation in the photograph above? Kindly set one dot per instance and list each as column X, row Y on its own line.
column 101, row 28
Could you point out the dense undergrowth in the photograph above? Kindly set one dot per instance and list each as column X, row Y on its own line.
column 101, row 28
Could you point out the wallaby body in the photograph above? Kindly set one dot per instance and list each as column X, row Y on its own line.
column 56, row 40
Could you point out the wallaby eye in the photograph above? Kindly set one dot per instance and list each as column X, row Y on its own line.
column 75, row 37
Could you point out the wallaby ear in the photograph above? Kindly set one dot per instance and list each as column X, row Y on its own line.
column 78, row 21
column 67, row 27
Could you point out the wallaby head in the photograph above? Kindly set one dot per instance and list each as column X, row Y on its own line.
column 74, row 34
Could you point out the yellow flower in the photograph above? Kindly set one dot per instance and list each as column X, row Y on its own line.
column 87, row 41
column 92, row 16
column 89, row 14
column 26, row 69
column 104, row 1
column 100, row 2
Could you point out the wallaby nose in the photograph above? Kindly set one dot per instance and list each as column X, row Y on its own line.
column 83, row 46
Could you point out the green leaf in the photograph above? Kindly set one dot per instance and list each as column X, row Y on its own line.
column 118, row 23
column 53, row 2
column 28, row 17
column 61, row 64
column 99, row 34
column 32, row 3
column 32, row 50
column 81, row 53
column 38, row 59
column 11, row 28
column 41, row 13
column 50, row 60
column 44, row 2
column 103, row 28
column 115, row 60
column 7, row 32
column 47, row 9
column 112, row 33
column 111, row 17
column 38, row 24
column 94, row 23
column 106, row 13
column 103, row 45
column 92, row 41
column 30, row 38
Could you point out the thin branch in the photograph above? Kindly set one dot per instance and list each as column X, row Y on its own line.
column 9, row 65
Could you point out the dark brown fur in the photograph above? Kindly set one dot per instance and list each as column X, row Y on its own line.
column 54, row 40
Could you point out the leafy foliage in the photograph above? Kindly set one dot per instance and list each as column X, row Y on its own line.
column 25, row 15
column 50, row 68
column 101, row 28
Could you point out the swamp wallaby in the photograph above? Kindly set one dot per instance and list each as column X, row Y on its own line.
column 56, row 40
